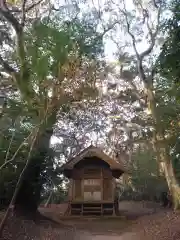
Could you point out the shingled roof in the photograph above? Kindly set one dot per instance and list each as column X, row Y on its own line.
column 92, row 151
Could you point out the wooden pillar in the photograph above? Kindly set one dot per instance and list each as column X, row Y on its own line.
column 102, row 187
column 70, row 190
column 82, row 192
column 82, row 186
column 114, row 214
column 70, row 195
column 102, row 191
column 113, row 195
column 82, row 208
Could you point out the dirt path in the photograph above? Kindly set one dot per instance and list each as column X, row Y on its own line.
column 103, row 237
column 126, row 236
column 163, row 225
column 108, row 228
column 137, row 221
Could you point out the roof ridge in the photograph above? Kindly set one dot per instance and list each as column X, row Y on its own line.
column 98, row 152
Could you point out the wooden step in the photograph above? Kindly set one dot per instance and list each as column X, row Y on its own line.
column 79, row 210
column 76, row 210
column 107, row 210
column 92, row 213
column 92, row 208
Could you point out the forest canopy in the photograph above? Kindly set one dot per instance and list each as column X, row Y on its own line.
column 86, row 73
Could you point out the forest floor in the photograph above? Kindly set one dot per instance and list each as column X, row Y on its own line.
column 137, row 221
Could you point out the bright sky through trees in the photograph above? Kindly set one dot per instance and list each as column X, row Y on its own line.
column 112, row 38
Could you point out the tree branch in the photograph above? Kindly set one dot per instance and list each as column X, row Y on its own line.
column 110, row 27
column 140, row 57
column 24, row 73
column 124, row 11
column 27, row 9
column 18, row 185
column 23, row 12
column 52, row 188
column 155, row 4
column 9, row 16
column 9, row 147
column 15, row 154
column 6, row 66
column 152, row 35
column 17, row 26
column 33, row 5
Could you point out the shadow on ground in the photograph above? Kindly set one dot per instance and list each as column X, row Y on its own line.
column 129, row 212
column 137, row 221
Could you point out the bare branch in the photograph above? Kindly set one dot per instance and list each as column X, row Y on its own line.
column 5, row 12
column 155, row 4
column 99, row 13
column 10, row 144
column 33, row 5
column 24, row 67
column 140, row 57
column 18, row 185
column 152, row 36
column 27, row 9
column 26, row 139
column 6, row 66
column 15, row 154
column 124, row 11
column 23, row 12
column 51, row 193
column 110, row 27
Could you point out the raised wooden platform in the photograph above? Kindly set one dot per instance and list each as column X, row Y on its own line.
column 85, row 208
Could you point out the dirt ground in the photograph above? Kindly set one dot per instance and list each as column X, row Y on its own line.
column 137, row 221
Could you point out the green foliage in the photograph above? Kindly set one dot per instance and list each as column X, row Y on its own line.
column 46, row 48
column 168, row 84
column 13, row 133
column 49, row 44
column 145, row 181
column 169, row 57
column 59, row 195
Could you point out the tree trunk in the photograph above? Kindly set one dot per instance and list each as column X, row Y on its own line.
column 162, row 150
column 28, row 196
column 172, row 183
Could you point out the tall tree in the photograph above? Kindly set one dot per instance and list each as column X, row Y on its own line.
column 51, row 63
column 167, row 67
column 141, row 25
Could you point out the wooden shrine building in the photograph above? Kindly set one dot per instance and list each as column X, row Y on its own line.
column 92, row 182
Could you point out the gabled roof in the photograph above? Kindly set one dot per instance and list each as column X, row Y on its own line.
column 92, row 151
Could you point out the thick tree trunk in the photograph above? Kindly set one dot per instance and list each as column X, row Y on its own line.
column 172, row 182
column 162, row 150
column 28, row 196
column 29, row 192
